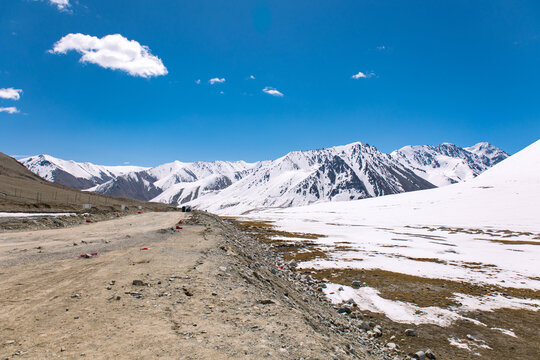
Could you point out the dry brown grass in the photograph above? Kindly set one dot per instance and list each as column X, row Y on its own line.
column 511, row 242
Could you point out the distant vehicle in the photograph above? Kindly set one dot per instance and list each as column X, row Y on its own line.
column 186, row 208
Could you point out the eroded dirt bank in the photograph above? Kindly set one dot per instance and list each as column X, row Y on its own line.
column 205, row 291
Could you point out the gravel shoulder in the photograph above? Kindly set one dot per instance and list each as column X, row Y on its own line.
column 204, row 291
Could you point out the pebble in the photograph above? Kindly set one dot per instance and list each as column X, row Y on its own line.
column 391, row 346
column 420, row 355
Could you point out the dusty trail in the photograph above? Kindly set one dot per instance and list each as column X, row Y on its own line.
column 206, row 291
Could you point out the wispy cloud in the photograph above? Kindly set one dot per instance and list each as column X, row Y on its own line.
column 9, row 110
column 60, row 4
column 216, row 81
column 198, row 81
column 113, row 52
column 252, row 77
column 361, row 75
column 10, row 93
column 272, row 91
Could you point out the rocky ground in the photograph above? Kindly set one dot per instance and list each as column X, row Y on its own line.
column 144, row 289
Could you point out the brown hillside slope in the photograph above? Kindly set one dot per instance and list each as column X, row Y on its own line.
column 22, row 190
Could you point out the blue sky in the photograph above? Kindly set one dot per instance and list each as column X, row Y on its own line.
column 431, row 72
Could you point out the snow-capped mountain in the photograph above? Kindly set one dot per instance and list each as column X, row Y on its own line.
column 506, row 196
column 490, row 154
column 447, row 163
column 348, row 172
column 74, row 174
column 177, row 182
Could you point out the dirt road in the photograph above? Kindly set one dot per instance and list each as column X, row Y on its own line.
column 206, row 291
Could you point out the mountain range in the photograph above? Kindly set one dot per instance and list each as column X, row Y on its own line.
column 347, row 172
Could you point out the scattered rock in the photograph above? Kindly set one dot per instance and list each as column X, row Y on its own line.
column 410, row 332
column 377, row 331
column 187, row 292
column 356, row 284
column 266, row 302
column 430, row 355
column 139, row 283
column 135, row 294
column 392, row 346
column 420, row 355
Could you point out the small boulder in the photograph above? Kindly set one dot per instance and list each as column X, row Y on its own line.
column 430, row 355
column 356, row 284
column 420, row 355
column 344, row 310
column 410, row 332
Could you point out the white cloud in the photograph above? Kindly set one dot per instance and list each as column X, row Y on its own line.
column 10, row 93
column 9, row 110
column 198, row 81
column 381, row 48
column 113, row 52
column 216, row 81
column 272, row 91
column 61, row 4
column 252, row 77
column 362, row 75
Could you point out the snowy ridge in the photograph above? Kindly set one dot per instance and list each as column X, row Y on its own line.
column 349, row 172
column 175, row 183
column 74, row 174
column 447, row 163
column 341, row 173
